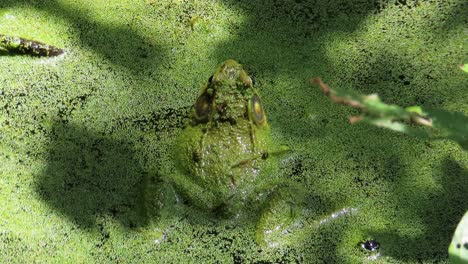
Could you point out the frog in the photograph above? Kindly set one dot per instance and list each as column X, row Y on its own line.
column 226, row 159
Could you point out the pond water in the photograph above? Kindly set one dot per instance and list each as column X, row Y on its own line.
column 87, row 136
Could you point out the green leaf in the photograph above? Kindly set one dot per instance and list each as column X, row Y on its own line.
column 410, row 120
column 464, row 67
column 414, row 109
column 454, row 125
column 396, row 126
column 458, row 249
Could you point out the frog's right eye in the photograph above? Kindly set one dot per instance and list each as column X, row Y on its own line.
column 203, row 107
column 256, row 109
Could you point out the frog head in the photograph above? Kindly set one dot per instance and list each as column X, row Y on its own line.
column 229, row 96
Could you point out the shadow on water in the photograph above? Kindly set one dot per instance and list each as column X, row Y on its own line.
column 289, row 38
column 439, row 212
column 286, row 38
column 7, row 54
column 89, row 175
column 420, row 219
column 283, row 35
column 121, row 45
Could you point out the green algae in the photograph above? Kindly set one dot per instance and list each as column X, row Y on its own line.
column 84, row 136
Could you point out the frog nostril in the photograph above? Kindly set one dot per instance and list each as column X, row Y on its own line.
column 232, row 121
column 196, row 156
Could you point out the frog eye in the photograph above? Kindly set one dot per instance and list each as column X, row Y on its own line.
column 245, row 79
column 257, row 110
column 248, row 82
column 203, row 107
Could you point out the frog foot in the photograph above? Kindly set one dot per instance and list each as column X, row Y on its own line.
column 280, row 220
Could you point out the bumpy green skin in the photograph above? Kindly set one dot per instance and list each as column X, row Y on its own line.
column 24, row 46
column 224, row 155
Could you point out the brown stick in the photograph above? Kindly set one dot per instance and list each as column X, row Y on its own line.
column 330, row 93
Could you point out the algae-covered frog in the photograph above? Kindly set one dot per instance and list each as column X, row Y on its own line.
column 225, row 157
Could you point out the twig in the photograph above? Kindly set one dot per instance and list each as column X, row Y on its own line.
column 411, row 117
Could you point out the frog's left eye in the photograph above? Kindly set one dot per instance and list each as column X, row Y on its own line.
column 257, row 110
column 248, row 82
column 203, row 107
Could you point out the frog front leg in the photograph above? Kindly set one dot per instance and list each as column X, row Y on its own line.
column 198, row 195
column 280, row 214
